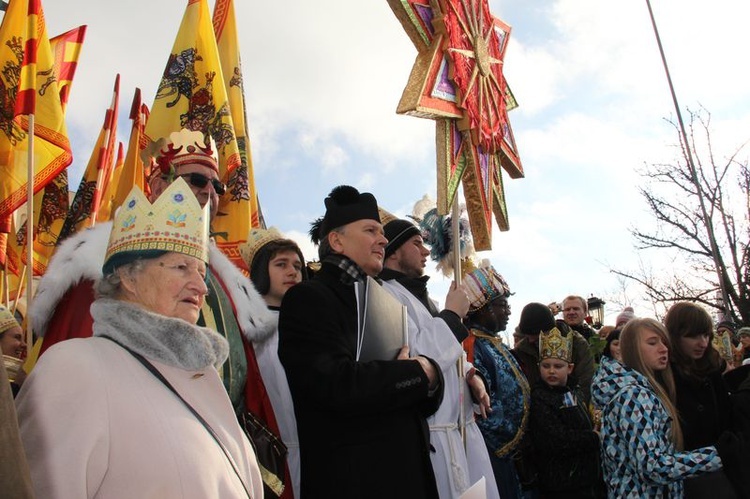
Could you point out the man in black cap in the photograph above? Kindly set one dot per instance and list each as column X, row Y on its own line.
column 405, row 259
column 361, row 425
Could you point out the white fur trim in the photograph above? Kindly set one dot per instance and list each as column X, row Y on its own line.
column 79, row 257
column 255, row 320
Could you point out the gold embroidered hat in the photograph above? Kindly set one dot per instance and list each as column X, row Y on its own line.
column 179, row 149
column 554, row 345
column 174, row 223
column 7, row 320
column 483, row 285
column 256, row 239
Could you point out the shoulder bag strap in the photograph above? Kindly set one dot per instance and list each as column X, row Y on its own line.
column 148, row 365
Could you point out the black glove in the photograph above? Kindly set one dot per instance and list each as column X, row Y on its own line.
column 733, row 449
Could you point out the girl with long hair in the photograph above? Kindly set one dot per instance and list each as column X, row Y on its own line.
column 642, row 440
column 702, row 397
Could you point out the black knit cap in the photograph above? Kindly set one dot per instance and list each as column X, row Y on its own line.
column 344, row 205
column 535, row 318
column 398, row 232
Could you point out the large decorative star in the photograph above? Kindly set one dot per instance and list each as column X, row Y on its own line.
column 457, row 80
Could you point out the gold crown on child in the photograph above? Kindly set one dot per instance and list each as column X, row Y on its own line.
column 174, row 222
column 553, row 345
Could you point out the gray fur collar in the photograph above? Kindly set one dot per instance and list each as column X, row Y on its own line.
column 164, row 339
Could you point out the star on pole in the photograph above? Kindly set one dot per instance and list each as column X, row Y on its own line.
column 457, row 80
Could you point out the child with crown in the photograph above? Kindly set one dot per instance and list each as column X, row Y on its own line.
column 566, row 445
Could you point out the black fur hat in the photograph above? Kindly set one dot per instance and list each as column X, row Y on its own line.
column 344, row 205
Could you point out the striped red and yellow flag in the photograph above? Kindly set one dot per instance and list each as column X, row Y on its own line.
column 133, row 172
column 82, row 211
column 106, row 210
column 66, row 49
column 240, row 203
column 27, row 85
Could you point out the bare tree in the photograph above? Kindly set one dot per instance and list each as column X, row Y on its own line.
column 702, row 221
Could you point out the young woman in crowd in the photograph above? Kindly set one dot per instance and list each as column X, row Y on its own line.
column 612, row 347
column 641, row 433
column 702, row 396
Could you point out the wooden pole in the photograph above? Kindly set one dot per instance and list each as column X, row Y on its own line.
column 29, row 232
column 456, row 247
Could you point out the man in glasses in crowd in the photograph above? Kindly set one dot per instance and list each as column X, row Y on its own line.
column 232, row 307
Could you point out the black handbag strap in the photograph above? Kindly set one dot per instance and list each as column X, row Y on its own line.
column 148, row 365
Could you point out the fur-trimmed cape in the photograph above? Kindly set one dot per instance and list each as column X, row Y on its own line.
column 81, row 256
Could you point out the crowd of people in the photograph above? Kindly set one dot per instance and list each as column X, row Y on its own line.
column 165, row 372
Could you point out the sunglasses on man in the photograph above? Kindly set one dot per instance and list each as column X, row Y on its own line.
column 200, row 181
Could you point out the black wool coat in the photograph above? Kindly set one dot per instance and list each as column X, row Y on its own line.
column 704, row 407
column 362, row 425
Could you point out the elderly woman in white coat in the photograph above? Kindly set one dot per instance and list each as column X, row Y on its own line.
column 139, row 410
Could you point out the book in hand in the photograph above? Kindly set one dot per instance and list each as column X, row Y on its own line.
column 382, row 322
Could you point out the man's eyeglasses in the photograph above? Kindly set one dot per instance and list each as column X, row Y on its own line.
column 200, row 181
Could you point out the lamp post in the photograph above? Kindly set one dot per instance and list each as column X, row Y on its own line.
column 596, row 311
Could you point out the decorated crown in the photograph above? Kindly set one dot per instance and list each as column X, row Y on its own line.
column 7, row 321
column 181, row 148
column 483, row 285
column 256, row 240
column 553, row 345
column 175, row 222
column 722, row 343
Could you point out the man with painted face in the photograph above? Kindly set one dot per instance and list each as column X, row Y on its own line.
column 361, row 424
column 489, row 312
column 457, row 465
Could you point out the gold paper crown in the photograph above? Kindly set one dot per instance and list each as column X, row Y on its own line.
column 7, row 321
column 553, row 345
column 256, row 239
column 175, row 222
column 181, row 148
column 722, row 343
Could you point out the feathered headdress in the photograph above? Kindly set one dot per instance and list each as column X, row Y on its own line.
column 437, row 232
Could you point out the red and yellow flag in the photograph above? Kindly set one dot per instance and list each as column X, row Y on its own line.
column 133, row 172
column 82, row 212
column 66, row 49
column 28, row 85
column 240, row 203
column 106, row 209
column 192, row 95
column 53, row 202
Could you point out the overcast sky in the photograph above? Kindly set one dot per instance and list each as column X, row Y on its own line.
column 323, row 79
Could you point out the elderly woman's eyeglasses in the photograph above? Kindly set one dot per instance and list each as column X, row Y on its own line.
column 200, row 181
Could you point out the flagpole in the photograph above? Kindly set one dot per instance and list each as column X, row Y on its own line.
column 6, row 291
column 456, row 248
column 30, row 231
column 691, row 165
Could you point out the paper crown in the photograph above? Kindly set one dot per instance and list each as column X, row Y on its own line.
column 483, row 285
column 256, row 239
column 7, row 321
column 553, row 345
column 175, row 223
column 722, row 343
column 179, row 149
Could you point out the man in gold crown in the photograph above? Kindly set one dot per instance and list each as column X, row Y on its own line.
column 565, row 443
column 233, row 307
